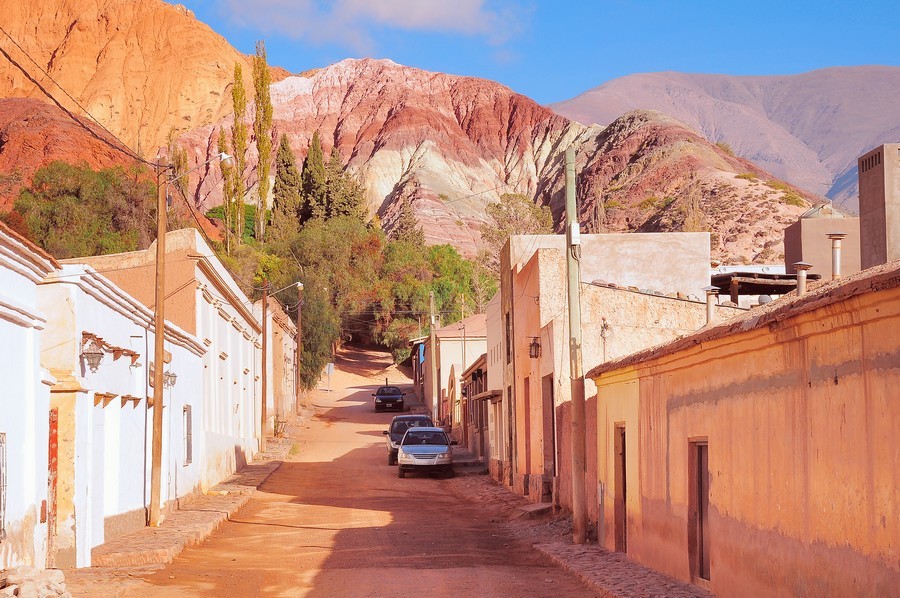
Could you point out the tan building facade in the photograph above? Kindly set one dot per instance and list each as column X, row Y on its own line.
column 616, row 320
column 760, row 457
column 806, row 240
column 879, row 204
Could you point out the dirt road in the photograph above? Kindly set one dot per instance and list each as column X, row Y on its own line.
column 335, row 520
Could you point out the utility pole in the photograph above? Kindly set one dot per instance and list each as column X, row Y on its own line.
column 264, row 416
column 576, row 375
column 159, row 337
column 432, row 366
column 298, row 347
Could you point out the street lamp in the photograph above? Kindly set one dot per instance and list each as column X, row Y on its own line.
column 165, row 177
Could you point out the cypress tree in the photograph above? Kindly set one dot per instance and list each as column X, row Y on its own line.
column 313, row 182
column 262, row 128
column 344, row 195
column 406, row 227
column 286, row 192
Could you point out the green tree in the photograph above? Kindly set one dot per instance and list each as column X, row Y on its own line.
column 313, row 182
column 73, row 211
column 239, row 151
column 178, row 159
column 228, row 192
column 286, row 192
column 514, row 214
column 406, row 227
column 262, row 128
column 344, row 195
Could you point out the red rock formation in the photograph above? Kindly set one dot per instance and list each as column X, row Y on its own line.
column 34, row 134
column 452, row 144
column 141, row 67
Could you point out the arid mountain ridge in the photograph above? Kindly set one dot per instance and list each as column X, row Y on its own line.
column 807, row 129
column 449, row 144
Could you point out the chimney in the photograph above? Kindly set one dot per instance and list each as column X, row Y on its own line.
column 836, row 254
column 801, row 268
column 712, row 294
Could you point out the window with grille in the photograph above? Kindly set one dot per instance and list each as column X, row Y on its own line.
column 188, row 436
column 3, row 469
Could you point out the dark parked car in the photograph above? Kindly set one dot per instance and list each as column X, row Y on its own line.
column 388, row 397
column 399, row 425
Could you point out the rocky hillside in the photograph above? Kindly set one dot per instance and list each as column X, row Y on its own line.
column 452, row 144
column 808, row 129
column 34, row 134
column 142, row 68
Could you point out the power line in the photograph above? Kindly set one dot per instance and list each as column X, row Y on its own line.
column 124, row 147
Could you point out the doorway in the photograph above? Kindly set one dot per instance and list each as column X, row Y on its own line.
column 698, row 530
column 548, row 409
column 620, row 481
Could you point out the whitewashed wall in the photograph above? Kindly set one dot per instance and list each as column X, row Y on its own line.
column 24, row 402
column 231, row 374
column 113, row 438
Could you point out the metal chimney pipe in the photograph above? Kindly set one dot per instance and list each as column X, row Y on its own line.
column 836, row 254
column 801, row 268
column 712, row 294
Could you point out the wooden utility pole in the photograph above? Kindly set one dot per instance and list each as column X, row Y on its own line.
column 298, row 346
column 432, row 366
column 159, row 337
column 263, row 412
column 576, row 375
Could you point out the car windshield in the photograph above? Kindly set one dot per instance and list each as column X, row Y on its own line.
column 430, row 437
column 388, row 390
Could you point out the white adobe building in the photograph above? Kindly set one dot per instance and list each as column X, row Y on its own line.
column 24, row 404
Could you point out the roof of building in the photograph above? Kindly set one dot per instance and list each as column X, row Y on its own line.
column 473, row 326
column 886, row 276
column 758, row 283
column 28, row 244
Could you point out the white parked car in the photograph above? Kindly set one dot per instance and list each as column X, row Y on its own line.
column 425, row 449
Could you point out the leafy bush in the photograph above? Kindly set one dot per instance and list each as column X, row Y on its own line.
column 74, row 211
column 725, row 148
column 747, row 176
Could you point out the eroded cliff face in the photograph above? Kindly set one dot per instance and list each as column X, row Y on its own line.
column 34, row 134
column 453, row 144
column 142, row 67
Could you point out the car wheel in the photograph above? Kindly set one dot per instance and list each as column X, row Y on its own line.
column 390, row 458
column 377, row 408
column 400, row 472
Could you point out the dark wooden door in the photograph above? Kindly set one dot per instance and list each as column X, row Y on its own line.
column 620, row 481
column 703, row 510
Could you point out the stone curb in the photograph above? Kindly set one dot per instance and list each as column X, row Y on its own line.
column 196, row 518
column 612, row 575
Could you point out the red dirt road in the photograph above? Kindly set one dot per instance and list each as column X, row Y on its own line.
column 335, row 520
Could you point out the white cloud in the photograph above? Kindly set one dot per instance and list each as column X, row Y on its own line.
column 351, row 22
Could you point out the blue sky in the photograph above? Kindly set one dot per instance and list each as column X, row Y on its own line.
column 554, row 50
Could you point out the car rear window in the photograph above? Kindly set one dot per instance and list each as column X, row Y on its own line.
column 388, row 390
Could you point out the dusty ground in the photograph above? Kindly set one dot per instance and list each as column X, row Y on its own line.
column 335, row 520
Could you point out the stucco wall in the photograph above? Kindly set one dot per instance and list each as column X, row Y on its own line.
column 24, row 406
column 800, row 418
column 104, row 418
column 807, row 240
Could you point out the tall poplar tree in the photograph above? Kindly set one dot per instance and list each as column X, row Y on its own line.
column 286, row 192
column 262, row 128
column 239, row 151
column 313, row 182
column 227, row 189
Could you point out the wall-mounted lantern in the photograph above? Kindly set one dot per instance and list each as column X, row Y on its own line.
column 92, row 352
column 169, row 378
column 534, row 349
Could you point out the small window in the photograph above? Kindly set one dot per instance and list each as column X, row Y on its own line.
column 2, row 485
column 508, row 340
column 188, row 436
